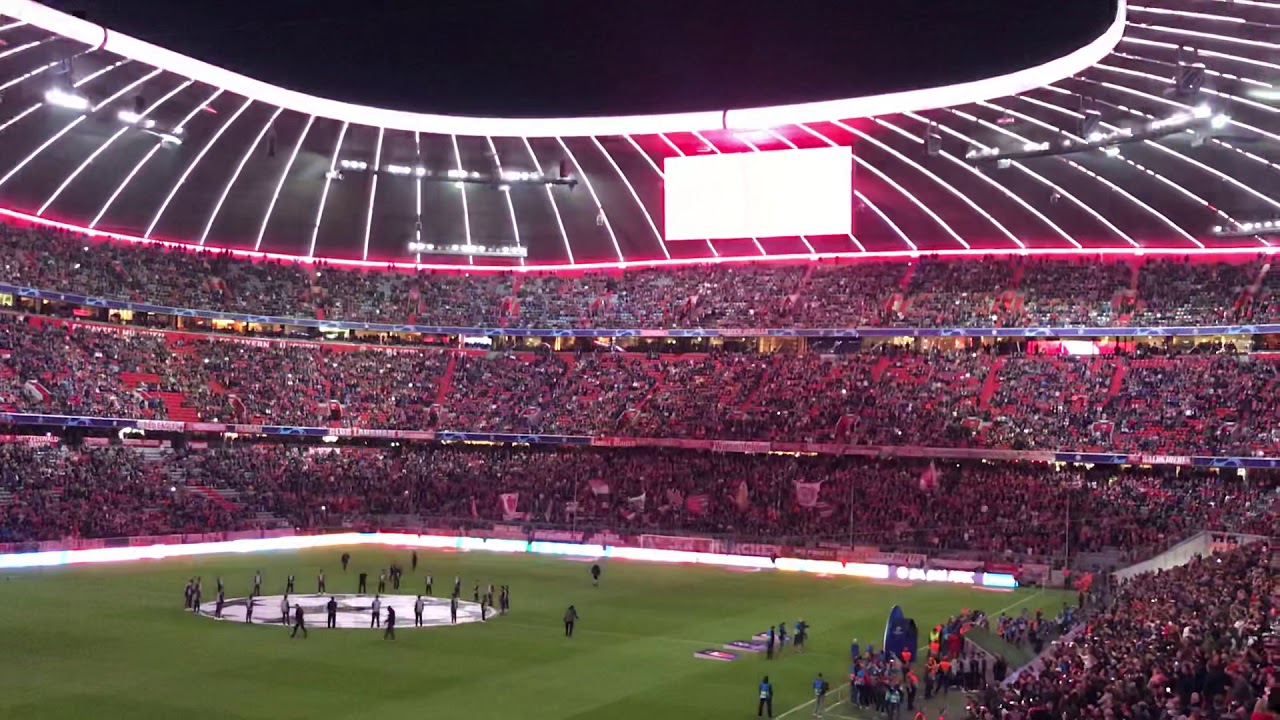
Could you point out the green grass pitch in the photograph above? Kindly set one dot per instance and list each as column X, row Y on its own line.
column 112, row 641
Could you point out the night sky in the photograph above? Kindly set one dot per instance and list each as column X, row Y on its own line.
column 582, row 57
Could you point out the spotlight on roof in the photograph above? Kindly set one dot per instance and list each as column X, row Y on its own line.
column 1219, row 121
column 1248, row 229
column 69, row 100
column 133, row 118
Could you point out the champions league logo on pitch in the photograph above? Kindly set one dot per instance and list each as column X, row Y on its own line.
column 354, row 611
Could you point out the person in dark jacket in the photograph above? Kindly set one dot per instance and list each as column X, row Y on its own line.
column 570, row 617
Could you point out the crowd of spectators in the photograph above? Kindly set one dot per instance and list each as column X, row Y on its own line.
column 1195, row 642
column 1018, row 512
column 927, row 293
column 1181, row 404
column 49, row 494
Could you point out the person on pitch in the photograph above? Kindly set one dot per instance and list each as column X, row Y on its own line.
column 187, row 592
column 475, row 594
column 413, row 562
column 382, row 582
column 375, row 619
column 429, row 584
column 219, row 603
column 505, row 600
column 298, row 622
column 484, row 609
column 284, row 610
column 390, row 632
column 453, row 609
column 288, row 585
column 595, row 574
column 248, row 608
column 346, row 558
column 768, row 648
column 570, row 617
column 489, row 595
column 820, row 688
column 195, row 597
column 331, row 608
column 418, row 605
column 766, row 698
column 802, row 634
column 362, row 585
column 220, row 588
column 320, row 590
column 257, row 583
column 457, row 586
column 782, row 636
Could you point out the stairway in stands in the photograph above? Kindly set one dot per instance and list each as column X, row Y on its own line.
column 175, row 403
column 446, row 379
column 990, row 383
column 1117, row 381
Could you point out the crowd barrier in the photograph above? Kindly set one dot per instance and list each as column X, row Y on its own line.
column 984, row 332
column 650, row 548
column 725, row 446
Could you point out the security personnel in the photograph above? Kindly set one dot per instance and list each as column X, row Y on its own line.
column 375, row 619
column 363, row 584
column 769, row 644
column 346, row 558
column 766, row 698
column 820, row 688
column 332, row 608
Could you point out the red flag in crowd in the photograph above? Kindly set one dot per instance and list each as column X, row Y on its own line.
column 509, row 501
column 598, row 487
column 697, row 504
column 929, row 478
column 742, row 498
column 807, row 493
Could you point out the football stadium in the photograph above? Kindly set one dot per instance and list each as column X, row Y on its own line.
column 638, row 364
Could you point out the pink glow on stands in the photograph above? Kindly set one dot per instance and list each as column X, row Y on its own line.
column 1010, row 84
column 20, row 216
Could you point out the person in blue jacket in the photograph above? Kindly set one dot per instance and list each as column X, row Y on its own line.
column 766, row 698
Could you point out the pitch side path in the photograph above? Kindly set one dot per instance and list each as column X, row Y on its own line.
column 113, row 641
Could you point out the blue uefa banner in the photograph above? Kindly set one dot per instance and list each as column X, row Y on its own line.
column 899, row 634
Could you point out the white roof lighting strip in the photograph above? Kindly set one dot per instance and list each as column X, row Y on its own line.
column 101, row 148
column 217, row 208
column 551, row 198
column 145, row 158
column 462, row 188
column 608, row 224
column 1110, row 185
column 81, row 118
column 324, row 194
column 974, row 171
column 275, row 195
column 417, row 195
column 194, row 162
column 373, row 194
column 634, row 196
column 123, row 45
column 511, row 207
column 943, row 183
column 1179, row 156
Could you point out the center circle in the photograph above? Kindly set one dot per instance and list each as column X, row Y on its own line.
column 354, row 611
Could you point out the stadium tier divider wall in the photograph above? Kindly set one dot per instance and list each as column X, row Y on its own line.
column 985, row 332
column 723, row 446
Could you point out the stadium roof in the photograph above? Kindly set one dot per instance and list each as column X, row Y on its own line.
column 252, row 170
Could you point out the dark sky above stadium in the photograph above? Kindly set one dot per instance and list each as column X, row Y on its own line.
column 580, row 57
